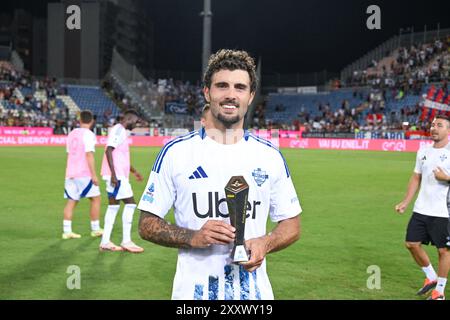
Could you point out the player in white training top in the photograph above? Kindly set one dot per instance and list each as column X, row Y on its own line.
column 429, row 222
column 116, row 169
column 81, row 178
column 190, row 174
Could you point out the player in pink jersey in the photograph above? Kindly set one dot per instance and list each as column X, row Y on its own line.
column 116, row 169
column 81, row 179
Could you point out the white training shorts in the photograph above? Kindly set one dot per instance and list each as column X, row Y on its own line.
column 121, row 191
column 77, row 188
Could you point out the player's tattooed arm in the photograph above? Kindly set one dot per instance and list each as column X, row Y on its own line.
column 157, row 230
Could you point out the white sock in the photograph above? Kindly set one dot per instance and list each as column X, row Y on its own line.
column 110, row 217
column 441, row 282
column 95, row 225
column 430, row 273
column 67, row 226
column 127, row 221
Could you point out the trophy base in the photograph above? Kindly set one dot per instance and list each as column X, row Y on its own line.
column 239, row 254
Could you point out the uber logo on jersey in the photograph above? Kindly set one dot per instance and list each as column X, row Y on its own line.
column 214, row 207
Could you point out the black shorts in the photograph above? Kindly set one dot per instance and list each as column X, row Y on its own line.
column 427, row 229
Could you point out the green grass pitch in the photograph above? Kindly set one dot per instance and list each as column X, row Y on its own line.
column 348, row 224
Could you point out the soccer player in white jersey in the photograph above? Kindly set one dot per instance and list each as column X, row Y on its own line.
column 430, row 216
column 205, row 116
column 81, row 178
column 190, row 174
column 116, row 168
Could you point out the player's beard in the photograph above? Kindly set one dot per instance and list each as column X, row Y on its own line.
column 228, row 122
column 436, row 138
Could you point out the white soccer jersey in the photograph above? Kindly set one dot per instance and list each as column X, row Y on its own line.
column 432, row 198
column 190, row 174
column 116, row 136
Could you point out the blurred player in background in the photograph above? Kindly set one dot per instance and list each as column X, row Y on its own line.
column 430, row 214
column 81, row 178
column 116, row 168
column 205, row 116
column 190, row 174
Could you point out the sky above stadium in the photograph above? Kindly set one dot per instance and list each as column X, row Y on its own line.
column 290, row 35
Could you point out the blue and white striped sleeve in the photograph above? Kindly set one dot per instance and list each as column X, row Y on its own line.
column 159, row 193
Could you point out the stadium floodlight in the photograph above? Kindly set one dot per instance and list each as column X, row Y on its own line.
column 207, row 23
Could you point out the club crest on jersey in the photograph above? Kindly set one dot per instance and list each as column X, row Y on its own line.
column 443, row 157
column 260, row 176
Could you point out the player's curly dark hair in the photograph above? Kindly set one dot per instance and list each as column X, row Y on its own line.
column 226, row 59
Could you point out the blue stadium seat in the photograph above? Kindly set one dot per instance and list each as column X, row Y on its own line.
column 293, row 103
column 92, row 98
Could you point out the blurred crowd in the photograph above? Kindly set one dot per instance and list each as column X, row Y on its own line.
column 30, row 111
column 407, row 69
column 39, row 108
column 386, row 82
column 403, row 73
